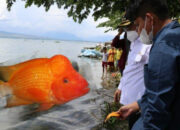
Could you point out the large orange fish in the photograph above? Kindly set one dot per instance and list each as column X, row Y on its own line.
column 44, row 81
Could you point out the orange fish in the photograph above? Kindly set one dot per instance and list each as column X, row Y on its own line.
column 113, row 114
column 44, row 81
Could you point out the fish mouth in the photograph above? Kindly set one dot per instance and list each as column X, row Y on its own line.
column 86, row 90
column 83, row 92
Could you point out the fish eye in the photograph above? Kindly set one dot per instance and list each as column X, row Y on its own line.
column 66, row 80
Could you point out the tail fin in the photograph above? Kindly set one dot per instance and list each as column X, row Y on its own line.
column 4, row 89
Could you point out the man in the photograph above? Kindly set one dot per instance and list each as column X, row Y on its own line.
column 160, row 104
column 123, row 44
column 131, row 86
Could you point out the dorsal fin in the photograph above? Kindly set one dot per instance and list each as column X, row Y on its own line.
column 7, row 71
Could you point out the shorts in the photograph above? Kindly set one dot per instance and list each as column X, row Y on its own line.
column 111, row 63
column 104, row 64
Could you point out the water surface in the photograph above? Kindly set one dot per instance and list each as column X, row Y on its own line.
column 80, row 114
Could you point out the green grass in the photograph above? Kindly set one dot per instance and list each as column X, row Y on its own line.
column 113, row 123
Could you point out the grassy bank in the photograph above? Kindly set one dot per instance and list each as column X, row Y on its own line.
column 110, row 84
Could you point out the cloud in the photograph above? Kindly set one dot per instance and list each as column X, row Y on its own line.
column 3, row 10
column 36, row 21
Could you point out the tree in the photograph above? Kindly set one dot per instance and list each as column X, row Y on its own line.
column 80, row 9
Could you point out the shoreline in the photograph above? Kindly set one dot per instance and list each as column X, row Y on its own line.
column 109, row 83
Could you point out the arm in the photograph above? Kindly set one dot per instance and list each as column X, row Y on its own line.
column 108, row 54
column 129, row 109
column 117, row 95
column 160, row 89
column 118, row 92
column 115, row 40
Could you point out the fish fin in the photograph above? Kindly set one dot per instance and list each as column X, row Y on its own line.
column 45, row 106
column 4, row 89
column 15, row 101
column 6, row 72
column 38, row 94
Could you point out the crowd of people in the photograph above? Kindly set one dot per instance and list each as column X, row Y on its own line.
column 111, row 59
column 149, row 60
column 114, row 58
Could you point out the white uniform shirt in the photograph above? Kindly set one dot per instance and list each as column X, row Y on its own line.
column 132, row 83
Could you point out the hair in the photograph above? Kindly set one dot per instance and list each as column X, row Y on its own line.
column 139, row 8
column 104, row 49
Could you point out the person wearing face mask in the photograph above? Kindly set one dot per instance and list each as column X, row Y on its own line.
column 160, row 104
column 131, row 86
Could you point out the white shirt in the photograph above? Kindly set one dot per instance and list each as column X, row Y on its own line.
column 105, row 57
column 122, row 36
column 132, row 83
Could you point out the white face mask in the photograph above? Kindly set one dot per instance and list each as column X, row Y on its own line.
column 144, row 37
column 132, row 35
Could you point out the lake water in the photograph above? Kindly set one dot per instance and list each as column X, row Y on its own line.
column 80, row 114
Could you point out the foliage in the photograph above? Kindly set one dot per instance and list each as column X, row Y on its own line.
column 113, row 122
column 79, row 10
column 174, row 7
column 113, row 21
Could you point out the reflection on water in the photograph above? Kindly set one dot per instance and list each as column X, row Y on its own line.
column 82, row 113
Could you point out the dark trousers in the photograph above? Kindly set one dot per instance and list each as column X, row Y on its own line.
column 132, row 119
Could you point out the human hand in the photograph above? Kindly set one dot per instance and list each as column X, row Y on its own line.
column 117, row 96
column 127, row 110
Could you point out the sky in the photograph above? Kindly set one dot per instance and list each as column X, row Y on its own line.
column 53, row 24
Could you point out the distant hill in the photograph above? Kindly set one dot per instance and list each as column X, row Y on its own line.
column 62, row 36
column 16, row 35
column 55, row 36
column 49, row 35
column 68, row 36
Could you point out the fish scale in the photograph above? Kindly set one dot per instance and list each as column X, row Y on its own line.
column 30, row 79
column 26, row 78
